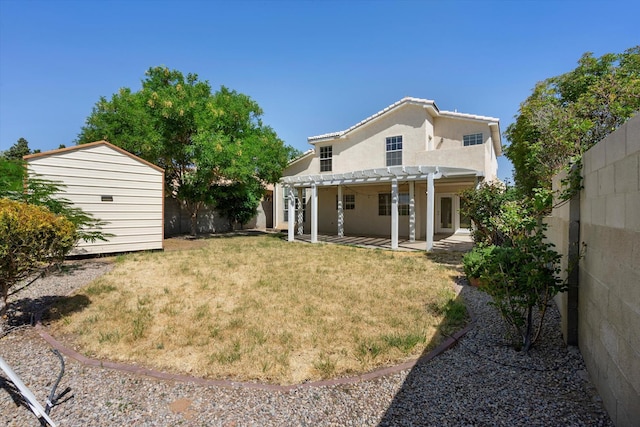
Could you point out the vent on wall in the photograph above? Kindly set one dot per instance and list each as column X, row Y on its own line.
column 106, row 198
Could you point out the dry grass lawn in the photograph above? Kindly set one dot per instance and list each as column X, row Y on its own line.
column 259, row 308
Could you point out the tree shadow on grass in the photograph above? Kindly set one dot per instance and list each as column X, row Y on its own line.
column 186, row 241
column 446, row 258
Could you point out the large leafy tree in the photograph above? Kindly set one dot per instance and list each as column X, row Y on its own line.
column 567, row 114
column 203, row 140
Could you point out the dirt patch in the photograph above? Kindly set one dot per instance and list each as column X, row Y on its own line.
column 182, row 406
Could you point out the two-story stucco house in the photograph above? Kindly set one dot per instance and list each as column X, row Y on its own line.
column 395, row 173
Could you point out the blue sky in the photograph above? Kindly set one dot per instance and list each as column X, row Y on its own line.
column 314, row 67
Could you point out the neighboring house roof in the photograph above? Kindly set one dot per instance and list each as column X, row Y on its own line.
column 431, row 107
column 90, row 145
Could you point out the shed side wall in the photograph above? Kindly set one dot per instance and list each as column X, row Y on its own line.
column 134, row 216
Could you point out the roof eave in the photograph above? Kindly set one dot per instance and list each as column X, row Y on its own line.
column 89, row 145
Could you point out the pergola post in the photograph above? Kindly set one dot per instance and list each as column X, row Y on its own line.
column 412, row 211
column 300, row 212
column 314, row 213
column 430, row 211
column 340, row 213
column 291, row 213
column 394, row 214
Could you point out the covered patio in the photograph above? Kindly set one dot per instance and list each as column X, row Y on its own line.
column 391, row 176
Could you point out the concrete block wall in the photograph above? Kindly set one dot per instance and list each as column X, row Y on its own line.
column 609, row 274
column 177, row 220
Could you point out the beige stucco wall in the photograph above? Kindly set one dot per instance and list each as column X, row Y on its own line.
column 364, row 147
column 609, row 272
column 472, row 157
column 134, row 216
column 448, row 136
column 427, row 141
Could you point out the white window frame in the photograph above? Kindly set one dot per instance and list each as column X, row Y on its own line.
column 348, row 202
column 326, row 158
column 472, row 139
column 394, row 152
column 403, row 204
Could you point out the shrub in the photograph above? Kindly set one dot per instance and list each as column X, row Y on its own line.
column 31, row 237
column 515, row 266
column 473, row 262
column 483, row 205
column 522, row 279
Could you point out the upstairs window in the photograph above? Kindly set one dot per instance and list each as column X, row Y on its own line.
column 394, row 150
column 472, row 139
column 326, row 155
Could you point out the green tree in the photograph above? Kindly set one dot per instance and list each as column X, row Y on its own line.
column 238, row 202
column 17, row 150
column 203, row 140
column 567, row 114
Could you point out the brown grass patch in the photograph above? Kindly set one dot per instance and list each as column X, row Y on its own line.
column 259, row 308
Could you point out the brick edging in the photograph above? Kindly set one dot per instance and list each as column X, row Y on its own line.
column 449, row 342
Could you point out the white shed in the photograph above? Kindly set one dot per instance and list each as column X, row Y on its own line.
column 123, row 190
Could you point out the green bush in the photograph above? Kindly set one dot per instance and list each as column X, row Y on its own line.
column 31, row 237
column 522, row 280
column 514, row 264
column 474, row 262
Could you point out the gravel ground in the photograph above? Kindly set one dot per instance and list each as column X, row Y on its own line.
column 479, row 382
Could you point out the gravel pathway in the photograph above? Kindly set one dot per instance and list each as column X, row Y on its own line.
column 479, row 382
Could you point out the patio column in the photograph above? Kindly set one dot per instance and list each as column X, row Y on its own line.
column 430, row 211
column 394, row 214
column 291, row 212
column 300, row 212
column 340, row 213
column 314, row 213
column 412, row 211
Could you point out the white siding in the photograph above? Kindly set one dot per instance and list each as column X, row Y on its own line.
column 134, row 217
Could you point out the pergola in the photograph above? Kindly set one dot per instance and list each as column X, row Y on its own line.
column 393, row 175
